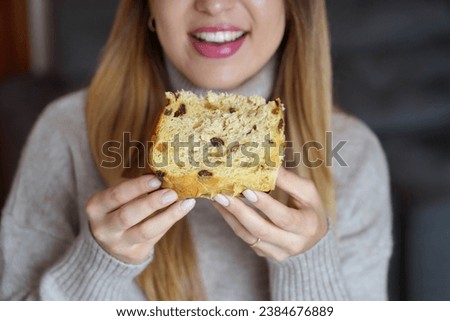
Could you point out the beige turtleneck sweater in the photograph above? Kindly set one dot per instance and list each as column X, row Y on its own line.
column 48, row 253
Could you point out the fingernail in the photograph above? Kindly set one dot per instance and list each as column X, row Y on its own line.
column 154, row 183
column 250, row 195
column 222, row 200
column 187, row 205
column 169, row 197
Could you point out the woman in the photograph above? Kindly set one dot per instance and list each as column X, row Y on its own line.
column 73, row 229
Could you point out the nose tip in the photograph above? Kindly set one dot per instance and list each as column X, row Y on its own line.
column 214, row 7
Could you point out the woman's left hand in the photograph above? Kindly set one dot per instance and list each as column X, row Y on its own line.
column 286, row 231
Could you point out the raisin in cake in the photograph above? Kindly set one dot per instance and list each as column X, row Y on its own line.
column 221, row 143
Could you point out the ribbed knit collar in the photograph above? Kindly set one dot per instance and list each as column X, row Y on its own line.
column 260, row 84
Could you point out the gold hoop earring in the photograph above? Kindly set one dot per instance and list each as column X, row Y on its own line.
column 152, row 24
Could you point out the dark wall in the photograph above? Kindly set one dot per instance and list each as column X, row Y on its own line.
column 392, row 69
column 80, row 29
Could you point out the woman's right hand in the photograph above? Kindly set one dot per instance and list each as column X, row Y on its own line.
column 122, row 221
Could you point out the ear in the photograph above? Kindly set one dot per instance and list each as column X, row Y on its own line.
column 151, row 24
column 151, row 20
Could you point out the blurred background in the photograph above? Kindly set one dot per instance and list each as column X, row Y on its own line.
column 392, row 69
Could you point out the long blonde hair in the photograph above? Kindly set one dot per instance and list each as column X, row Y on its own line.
column 127, row 92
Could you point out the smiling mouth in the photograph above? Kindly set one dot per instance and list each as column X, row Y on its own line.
column 218, row 42
column 219, row 37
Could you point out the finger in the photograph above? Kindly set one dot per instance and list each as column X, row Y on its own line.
column 261, row 248
column 284, row 217
column 299, row 188
column 237, row 227
column 139, row 209
column 112, row 198
column 154, row 228
column 304, row 220
column 252, row 221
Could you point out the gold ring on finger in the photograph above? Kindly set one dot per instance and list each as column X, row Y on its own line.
column 255, row 243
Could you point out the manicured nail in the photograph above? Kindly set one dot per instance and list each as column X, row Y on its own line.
column 187, row 205
column 222, row 200
column 154, row 183
column 169, row 197
column 250, row 195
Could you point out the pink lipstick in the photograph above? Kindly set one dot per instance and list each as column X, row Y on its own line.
column 218, row 42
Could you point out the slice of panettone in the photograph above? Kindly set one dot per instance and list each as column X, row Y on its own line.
column 218, row 144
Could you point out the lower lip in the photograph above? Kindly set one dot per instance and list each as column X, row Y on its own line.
column 218, row 51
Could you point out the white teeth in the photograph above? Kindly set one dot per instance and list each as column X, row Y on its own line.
column 220, row 36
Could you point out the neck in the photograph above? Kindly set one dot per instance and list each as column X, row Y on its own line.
column 260, row 84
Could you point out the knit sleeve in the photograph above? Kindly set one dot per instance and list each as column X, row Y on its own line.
column 310, row 276
column 351, row 261
column 47, row 251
